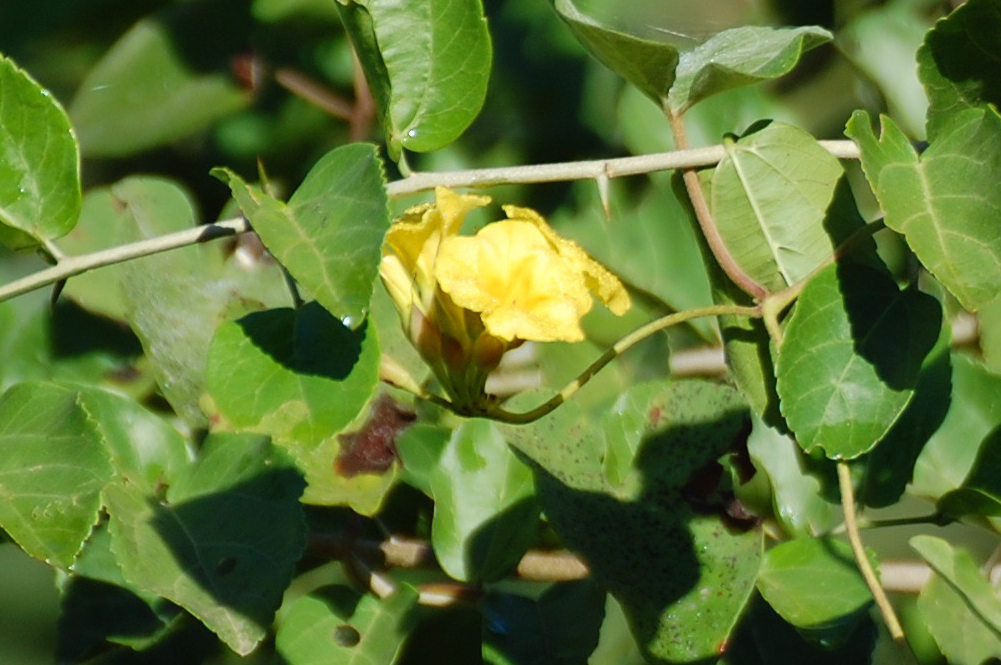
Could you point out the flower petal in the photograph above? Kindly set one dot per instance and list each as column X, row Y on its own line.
column 600, row 281
column 511, row 274
column 411, row 245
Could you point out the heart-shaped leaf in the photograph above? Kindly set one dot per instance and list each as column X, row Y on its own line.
column 851, row 358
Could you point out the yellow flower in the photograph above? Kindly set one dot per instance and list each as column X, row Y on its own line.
column 465, row 301
column 526, row 281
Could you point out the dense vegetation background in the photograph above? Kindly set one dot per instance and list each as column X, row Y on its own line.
column 267, row 88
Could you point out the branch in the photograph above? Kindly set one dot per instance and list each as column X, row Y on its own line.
column 617, row 349
column 707, row 224
column 584, row 170
column 557, row 172
column 862, row 561
column 76, row 265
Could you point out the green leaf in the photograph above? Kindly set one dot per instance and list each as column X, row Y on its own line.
column 944, row 201
column 485, row 513
column 813, row 583
column 174, row 318
column 682, row 578
column 223, row 542
column 801, row 487
column 329, row 234
column 980, row 493
column 420, row 448
column 560, row 626
column 428, row 64
column 647, row 64
column 142, row 446
column 764, row 638
column 664, row 73
column 974, row 410
column 59, row 446
column 740, row 56
column 959, row 605
column 162, row 80
column 958, row 62
column 989, row 327
column 52, row 469
column 39, row 163
column 889, row 468
column 770, row 198
column 301, row 377
column 851, row 358
column 336, row 625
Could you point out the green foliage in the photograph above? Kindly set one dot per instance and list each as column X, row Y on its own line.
column 430, row 84
column 328, row 235
column 39, row 163
column 485, row 508
column 962, row 610
column 235, row 451
column 337, row 625
column 958, row 242
column 154, row 86
column 851, row 358
column 813, row 583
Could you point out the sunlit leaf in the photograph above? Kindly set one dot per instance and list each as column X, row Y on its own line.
column 944, row 201
column 485, row 514
column 959, row 605
column 336, row 625
column 800, row 500
column 980, row 493
column 329, row 234
column 851, row 358
column 973, row 411
column 159, row 82
column 770, row 198
column 813, row 583
column 740, row 56
column 53, row 466
column 420, row 447
column 299, row 376
column 39, row 163
column 428, row 63
column 203, row 546
column 958, row 62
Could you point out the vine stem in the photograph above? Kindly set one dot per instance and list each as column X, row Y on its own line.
column 618, row 167
column 68, row 266
column 618, row 348
column 75, row 265
column 862, row 561
column 710, row 231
